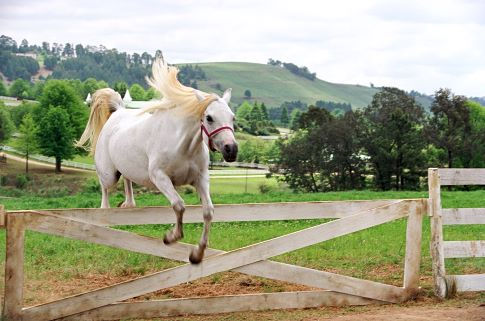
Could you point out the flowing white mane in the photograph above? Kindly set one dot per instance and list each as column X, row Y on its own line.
column 175, row 95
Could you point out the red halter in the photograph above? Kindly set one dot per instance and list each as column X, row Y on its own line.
column 213, row 133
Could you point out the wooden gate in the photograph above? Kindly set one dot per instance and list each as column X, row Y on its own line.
column 92, row 225
column 447, row 285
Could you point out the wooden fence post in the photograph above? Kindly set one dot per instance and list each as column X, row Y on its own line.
column 2, row 216
column 14, row 268
column 437, row 251
column 413, row 250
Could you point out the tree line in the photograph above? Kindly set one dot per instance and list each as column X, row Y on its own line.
column 391, row 140
column 291, row 67
column 69, row 61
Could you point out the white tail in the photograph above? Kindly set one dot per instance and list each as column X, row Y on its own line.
column 104, row 102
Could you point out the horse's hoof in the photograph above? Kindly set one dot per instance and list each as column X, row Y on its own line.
column 195, row 258
column 127, row 205
column 166, row 240
column 171, row 239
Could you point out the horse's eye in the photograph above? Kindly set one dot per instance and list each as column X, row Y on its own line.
column 209, row 119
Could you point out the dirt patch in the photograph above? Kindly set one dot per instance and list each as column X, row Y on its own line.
column 42, row 178
column 50, row 287
column 223, row 284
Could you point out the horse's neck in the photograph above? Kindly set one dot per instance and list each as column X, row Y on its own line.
column 188, row 137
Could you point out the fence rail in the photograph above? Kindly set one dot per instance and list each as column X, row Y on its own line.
column 253, row 168
column 448, row 285
column 92, row 225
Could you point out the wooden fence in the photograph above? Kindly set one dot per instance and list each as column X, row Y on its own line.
column 92, row 225
column 447, row 285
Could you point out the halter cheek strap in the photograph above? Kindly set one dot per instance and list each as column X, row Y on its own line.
column 213, row 133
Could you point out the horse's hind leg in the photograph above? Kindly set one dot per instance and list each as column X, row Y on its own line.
column 129, row 199
column 104, row 197
column 164, row 184
column 106, row 181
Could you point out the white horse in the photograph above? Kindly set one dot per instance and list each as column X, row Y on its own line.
column 163, row 146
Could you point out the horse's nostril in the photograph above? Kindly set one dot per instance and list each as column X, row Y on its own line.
column 227, row 148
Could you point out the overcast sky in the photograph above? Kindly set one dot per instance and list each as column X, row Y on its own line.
column 422, row 45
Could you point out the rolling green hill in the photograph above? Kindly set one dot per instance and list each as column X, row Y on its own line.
column 275, row 85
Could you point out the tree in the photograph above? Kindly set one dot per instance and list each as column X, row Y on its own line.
column 137, row 92
column 50, row 62
column 18, row 113
column 3, row 89
column 6, row 125
column 151, row 94
column 79, row 50
column 294, row 119
column 392, row 134
column 313, row 118
column 284, row 117
column 46, row 47
column 24, row 46
column 60, row 117
column 58, row 93
column 449, row 125
column 247, row 94
column 56, row 136
column 474, row 149
column 90, row 86
column 264, row 110
column 18, row 88
column 27, row 142
column 121, row 88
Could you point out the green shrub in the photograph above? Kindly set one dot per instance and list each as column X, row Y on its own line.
column 265, row 188
column 21, row 181
column 91, row 186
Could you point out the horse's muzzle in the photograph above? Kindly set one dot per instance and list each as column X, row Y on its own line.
column 229, row 152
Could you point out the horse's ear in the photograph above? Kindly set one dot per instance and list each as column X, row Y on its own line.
column 227, row 95
column 198, row 95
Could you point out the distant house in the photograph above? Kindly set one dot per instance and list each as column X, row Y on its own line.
column 129, row 102
column 32, row 55
column 127, row 98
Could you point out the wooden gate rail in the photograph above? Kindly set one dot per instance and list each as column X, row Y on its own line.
column 99, row 304
column 448, row 285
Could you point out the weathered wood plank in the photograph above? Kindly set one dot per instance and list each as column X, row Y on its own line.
column 465, row 283
column 219, row 263
column 412, row 258
column 456, row 249
column 462, row 176
column 14, row 269
column 222, row 213
column 436, row 246
column 220, row 304
column 66, row 227
column 2, row 216
column 325, row 280
column 453, row 216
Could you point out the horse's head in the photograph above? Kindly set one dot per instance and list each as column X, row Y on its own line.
column 218, row 125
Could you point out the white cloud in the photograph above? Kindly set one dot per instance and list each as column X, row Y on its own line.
column 422, row 45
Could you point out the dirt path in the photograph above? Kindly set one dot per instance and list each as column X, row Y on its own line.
column 414, row 311
column 34, row 162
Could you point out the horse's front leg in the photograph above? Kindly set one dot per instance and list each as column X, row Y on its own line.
column 164, row 184
column 208, row 210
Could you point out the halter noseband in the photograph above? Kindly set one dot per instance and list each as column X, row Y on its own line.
column 213, row 133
